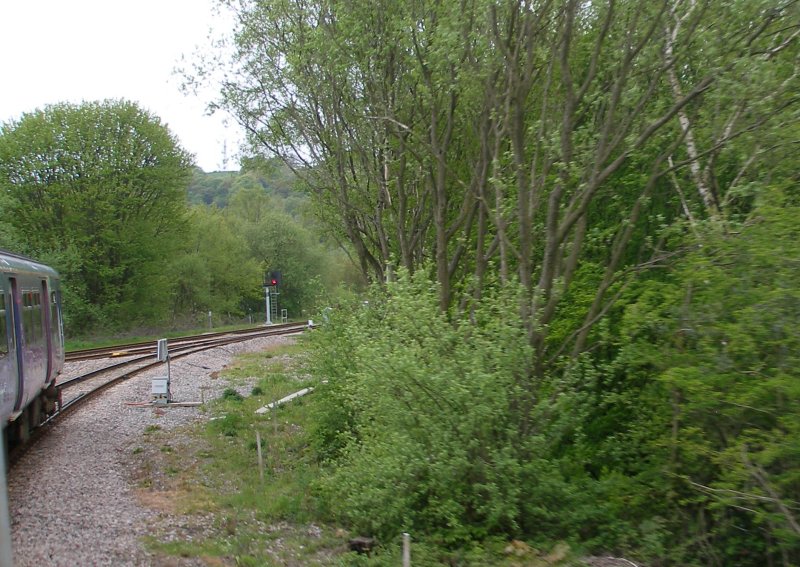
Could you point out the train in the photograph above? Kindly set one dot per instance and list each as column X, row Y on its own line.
column 31, row 344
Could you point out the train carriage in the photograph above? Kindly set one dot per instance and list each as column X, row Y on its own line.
column 31, row 343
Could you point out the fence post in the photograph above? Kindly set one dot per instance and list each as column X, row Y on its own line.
column 260, row 457
column 406, row 550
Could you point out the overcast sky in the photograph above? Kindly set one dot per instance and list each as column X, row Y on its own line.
column 74, row 50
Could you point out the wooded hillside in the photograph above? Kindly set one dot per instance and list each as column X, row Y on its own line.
column 104, row 193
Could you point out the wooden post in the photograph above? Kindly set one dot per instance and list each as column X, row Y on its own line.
column 275, row 452
column 260, row 457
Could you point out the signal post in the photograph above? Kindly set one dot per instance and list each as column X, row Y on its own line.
column 271, row 285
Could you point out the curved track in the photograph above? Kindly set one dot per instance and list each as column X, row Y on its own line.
column 136, row 363
column 148, row 347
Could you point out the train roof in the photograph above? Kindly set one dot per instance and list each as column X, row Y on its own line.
column 11, row 262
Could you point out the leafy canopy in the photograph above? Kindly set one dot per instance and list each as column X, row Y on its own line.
column 98, row 189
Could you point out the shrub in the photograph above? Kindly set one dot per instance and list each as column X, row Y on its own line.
column 231, row 395
column 418, row 421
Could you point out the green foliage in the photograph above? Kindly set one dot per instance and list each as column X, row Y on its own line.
column 269, row 176
column 311, row 270
column 721, row 339
column 676, row 443
column 210, row 188
column 256, row 224
column 532, row 135
column 214, row 272
column 558, row 152
column 418, row 422
column 232, row 395
column 436, row 427
column 97, row 189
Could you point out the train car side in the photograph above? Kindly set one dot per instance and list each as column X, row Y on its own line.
column 31, row 343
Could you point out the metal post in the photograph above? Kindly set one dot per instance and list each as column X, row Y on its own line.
column 406, row 550
column 169, row 379
column 161, row 386
column 269, row 316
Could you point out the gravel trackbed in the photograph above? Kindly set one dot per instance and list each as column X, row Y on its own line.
column 72, row 498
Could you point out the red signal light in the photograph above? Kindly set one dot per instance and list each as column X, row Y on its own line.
column 272, row 278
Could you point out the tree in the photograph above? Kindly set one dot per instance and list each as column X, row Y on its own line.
column 276, row 241
column 545, row 155
column 106, row 181
column 719, row 337
column 486, row 137
column 214, row 271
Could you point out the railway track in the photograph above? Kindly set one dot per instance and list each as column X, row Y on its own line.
column 148, row 347
column 139, row 357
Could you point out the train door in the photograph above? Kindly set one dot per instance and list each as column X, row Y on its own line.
column 16, row 330
column 57, row 328
column 9, row 385
column 48, row 335
column 33, row 344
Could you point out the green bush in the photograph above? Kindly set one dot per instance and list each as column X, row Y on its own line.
column 231, row 395
column 418, row 428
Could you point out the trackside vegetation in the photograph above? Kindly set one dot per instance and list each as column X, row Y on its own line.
column 290, row 516
column 218, row 474
column 673, row 442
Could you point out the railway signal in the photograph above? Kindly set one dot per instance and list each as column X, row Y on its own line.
column 274, row 278
column 271, row 282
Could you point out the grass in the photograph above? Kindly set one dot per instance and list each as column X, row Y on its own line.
column 258, row 521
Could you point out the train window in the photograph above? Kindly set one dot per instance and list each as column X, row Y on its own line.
column 32, row 316
column 27, row 316
column 3, row 333
column 38, row 315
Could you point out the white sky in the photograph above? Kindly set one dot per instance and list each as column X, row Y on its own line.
column 74, row 50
